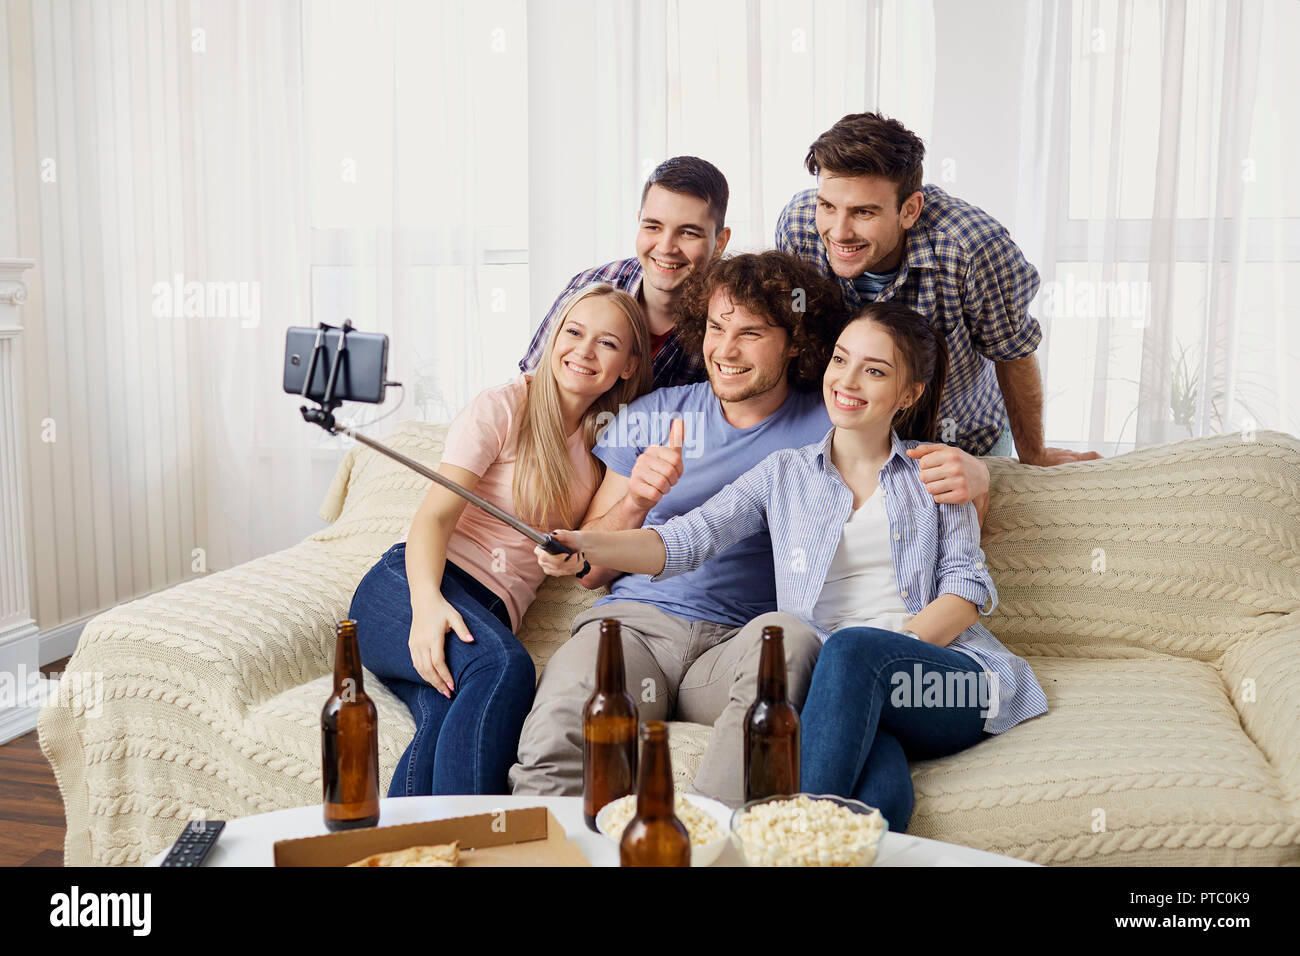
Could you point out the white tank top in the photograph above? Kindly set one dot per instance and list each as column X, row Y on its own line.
column 861, row 589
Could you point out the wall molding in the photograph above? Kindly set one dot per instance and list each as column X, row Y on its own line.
column 14, row 294
column 19, row 640
column 59, row 642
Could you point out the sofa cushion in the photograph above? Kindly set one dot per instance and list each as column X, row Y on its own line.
column 1185, row 550
column 288, row 725
column 1141, row 760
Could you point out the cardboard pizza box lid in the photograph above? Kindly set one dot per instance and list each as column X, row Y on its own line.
column 530, row 836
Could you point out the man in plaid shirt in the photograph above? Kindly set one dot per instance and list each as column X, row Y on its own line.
column 873, row 226
column 680, row 229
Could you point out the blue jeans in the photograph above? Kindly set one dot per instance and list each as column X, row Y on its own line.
column 1005, row 446
column 468, row 743
column 867, row 712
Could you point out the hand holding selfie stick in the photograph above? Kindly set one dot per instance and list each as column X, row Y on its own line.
column 324, row 417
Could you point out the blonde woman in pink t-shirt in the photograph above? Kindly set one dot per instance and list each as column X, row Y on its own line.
column 436, row 615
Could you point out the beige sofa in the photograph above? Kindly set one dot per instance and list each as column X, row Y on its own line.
column 1157, row 596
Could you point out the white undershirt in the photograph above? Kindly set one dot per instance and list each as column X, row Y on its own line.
column 861, row 589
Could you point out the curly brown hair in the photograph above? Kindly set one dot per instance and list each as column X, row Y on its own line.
column 788, row 292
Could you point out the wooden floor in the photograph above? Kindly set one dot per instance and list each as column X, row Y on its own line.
column 31, row 811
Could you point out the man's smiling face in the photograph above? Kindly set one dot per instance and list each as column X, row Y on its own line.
column 746, row 354
column 860, row 223
column 676, row 236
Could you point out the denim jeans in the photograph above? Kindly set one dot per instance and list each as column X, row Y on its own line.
column 1005, row 445
column 867, row 713
column 468, row 743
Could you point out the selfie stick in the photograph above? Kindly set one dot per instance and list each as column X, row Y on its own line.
column 324, row 417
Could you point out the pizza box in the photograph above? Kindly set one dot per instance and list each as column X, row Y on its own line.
column 530, row 836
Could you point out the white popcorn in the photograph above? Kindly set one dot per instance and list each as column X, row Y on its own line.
column 701, row 825
column 802, row 831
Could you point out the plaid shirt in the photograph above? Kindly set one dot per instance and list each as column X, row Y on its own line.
column 961, row 268
column 672, row 365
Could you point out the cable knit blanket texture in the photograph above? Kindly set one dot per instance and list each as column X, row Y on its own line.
column 1156, row 595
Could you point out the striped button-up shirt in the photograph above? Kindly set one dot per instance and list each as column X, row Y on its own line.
column 961, row 268
column 798, row 496
column 672, row 364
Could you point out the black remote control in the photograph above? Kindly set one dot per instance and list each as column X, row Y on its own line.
column 192, row 846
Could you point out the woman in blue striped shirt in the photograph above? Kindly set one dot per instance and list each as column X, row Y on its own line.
column 892, row 581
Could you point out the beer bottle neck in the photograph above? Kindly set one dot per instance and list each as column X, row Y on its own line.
column 655, row 783
column 347, row 658
column 771, row 670
column 610, row 675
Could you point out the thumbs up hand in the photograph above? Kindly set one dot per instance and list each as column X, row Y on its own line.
column 657, row 469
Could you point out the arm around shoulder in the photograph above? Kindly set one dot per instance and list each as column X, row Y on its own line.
column 431, row 528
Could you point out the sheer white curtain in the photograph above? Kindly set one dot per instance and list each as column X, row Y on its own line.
column 243, row 218
column 211, row 174
column 171, row 237
column 1154, row 200
column 617, row 87
column 418, row 142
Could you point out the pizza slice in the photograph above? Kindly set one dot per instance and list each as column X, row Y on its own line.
column 443, row 854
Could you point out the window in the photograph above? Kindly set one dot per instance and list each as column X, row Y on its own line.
column 418, row 157
column 1225, row 311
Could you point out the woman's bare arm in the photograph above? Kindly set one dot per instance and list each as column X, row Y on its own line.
column 636, row 551
column 426, row 543
column 610, row 510
column 943, row 619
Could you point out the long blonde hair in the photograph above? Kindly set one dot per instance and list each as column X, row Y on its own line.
column 544, row 478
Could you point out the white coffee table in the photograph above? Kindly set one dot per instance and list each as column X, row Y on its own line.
column 248, row 841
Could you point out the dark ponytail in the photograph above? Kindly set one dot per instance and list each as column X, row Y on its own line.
column 925, row 356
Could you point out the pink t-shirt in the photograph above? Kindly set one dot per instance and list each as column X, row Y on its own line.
column 483, row 439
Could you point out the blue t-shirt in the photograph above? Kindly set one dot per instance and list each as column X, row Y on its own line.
column 740, row 583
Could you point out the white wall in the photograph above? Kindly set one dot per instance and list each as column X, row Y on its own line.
column 977, row 124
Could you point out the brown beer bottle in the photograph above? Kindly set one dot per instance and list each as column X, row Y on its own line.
column 771, row 727
column 655, row 837
column 349, row 741
column 608, row 729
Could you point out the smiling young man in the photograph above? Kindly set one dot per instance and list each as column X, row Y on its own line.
column 680, row 229
column 872, row 225
column 763, row 324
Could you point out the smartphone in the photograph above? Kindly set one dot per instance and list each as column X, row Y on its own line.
column 363, row 369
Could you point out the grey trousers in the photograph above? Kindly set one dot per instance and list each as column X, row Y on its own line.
column 696, row 671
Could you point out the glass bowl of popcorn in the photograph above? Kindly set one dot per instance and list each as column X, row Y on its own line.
column 705, row 819
column 807, row 829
